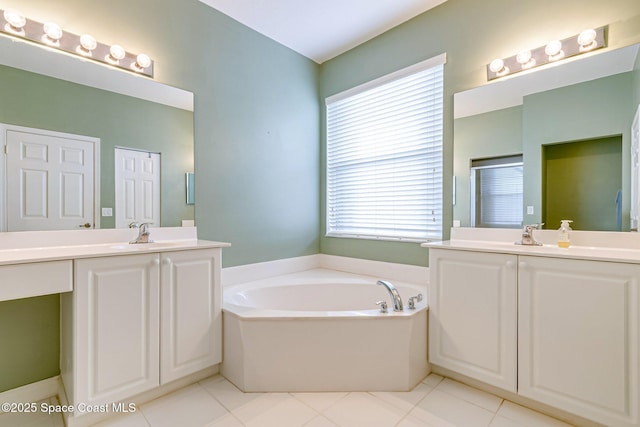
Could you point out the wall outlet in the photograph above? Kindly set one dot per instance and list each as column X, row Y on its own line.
column 107, row 212
column 529, row 210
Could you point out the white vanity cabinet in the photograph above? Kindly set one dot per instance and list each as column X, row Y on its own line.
column 574, row 324
column 472, row 315
column 136, row 322
column 578, row 337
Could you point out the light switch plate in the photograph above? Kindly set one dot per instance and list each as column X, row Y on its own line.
column 107, row 212
column 529, row 210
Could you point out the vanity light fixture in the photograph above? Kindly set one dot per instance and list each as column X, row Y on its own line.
column 587, row 41
column 18, row 27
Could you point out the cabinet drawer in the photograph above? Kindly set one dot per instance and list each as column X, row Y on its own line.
column 35, row 279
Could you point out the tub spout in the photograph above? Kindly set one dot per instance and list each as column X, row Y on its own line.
column 393, row 292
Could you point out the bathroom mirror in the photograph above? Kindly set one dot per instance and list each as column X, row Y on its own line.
column 572, row 125
column 54, row 92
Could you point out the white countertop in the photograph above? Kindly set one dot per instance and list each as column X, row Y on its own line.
column 33, row 246
column 593, row 246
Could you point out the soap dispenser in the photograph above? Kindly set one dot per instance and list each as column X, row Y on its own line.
column 563, row 233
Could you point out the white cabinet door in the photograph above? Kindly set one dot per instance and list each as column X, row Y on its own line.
column 116, row 327
column 472, row 315
column 191, row 319
column 578, row 337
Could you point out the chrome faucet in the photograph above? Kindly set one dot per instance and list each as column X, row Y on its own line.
column 527, row 235
column 393, row 292
column 143, row 232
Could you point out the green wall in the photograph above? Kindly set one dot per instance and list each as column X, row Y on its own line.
column 43, row 102
column 30, row 337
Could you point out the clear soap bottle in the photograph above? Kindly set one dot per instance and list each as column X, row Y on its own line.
column 563, row 233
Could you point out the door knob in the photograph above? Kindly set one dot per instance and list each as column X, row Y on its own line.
column 85, row 225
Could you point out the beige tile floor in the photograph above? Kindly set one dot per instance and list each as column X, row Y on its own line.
column 435, row 402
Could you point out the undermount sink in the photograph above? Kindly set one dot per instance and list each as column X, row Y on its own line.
column 146, row 246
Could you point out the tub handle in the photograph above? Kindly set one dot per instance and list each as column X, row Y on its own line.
column 412, row 301
column 383, row 306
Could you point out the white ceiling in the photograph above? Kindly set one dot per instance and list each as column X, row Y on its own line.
column 322, row 29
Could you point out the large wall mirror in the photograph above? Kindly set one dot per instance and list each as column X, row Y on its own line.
column 558, row 136
column 49, row 91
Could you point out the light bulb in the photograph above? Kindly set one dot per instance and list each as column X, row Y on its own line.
column 587, row 40
column 142, row 61
column 116, row 53
column 496, row 65
column 52, row 33
column 554, row 49
column 525, row 59
column 15, row 20
column 87, row 44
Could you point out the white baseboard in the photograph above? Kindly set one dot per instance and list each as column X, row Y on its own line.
column 33, row 392
column 383, row 270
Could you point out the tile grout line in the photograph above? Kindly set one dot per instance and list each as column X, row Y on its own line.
column 496, row 413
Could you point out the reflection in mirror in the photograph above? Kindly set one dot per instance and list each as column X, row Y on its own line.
column 191, row 190
column 571, row 124
column 37, row 101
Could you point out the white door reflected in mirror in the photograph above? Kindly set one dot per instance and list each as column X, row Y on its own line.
column 137, row 187
column 49, row 180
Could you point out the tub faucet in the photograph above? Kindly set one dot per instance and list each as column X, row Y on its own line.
column 143, row 232
column 527, row 235
column 393, row 292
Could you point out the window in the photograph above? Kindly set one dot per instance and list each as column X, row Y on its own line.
column 384, row 156
column 496, row 192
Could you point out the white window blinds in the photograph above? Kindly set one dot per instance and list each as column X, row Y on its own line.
column 384, row 157
column 497, row 192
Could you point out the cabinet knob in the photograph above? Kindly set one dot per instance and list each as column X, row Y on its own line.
column 523, row 264
column 511, row 264
column 166, row 261
column 156, row 261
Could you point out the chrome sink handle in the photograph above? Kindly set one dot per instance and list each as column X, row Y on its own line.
column 413, row 300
